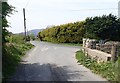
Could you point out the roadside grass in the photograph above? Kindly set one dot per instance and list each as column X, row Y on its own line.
column 71, row 44
column 66, row 44
column 107, row 70
column 11, row 56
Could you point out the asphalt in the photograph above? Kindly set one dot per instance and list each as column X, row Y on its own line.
column 52, row 62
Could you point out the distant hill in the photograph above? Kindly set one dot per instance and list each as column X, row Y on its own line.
column 33, row 31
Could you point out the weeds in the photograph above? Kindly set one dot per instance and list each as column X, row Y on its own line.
column 107, row 70
column 12, row 54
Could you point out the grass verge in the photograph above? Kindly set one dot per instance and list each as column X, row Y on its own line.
column 66, row 44
column 11, row 57
column 107, row 70
column 71, row 44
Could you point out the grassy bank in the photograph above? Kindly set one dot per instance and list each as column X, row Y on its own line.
column 107, row 70
column 12, row 54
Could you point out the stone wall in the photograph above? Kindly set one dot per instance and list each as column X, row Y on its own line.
column 108, row 51
column 89, row 48
column 97, row 55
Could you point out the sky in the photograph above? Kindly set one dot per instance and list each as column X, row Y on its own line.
column 43, row 13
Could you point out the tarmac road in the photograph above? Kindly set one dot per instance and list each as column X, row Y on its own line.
column 52, row 62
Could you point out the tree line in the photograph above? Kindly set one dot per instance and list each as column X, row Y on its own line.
column 106, row 27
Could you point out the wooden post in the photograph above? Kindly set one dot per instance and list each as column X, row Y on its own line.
column 118, row 69
column 1, row 42
column 113, row 53
column 24, row 22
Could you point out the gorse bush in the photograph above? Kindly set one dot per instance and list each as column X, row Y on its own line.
column 67, row 33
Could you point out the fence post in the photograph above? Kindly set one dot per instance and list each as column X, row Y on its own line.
column 119, row 69
column 113, row 53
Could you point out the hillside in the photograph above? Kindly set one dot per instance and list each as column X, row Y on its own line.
column 33, row 31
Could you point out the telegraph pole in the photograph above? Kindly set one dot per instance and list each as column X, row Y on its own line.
column 119, row 55
column 24, row 22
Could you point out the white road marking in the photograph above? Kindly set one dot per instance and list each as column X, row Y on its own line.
column 44, row 49
column 55, row 48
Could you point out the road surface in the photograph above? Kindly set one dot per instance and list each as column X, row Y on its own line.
column 52, row 62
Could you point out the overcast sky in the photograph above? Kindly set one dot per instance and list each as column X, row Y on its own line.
column 42, row 13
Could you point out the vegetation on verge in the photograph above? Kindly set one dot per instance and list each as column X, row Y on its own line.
column 13, row 46
column 66, row 44
column 71, row 44
column 11, row 57
column 107, row 70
